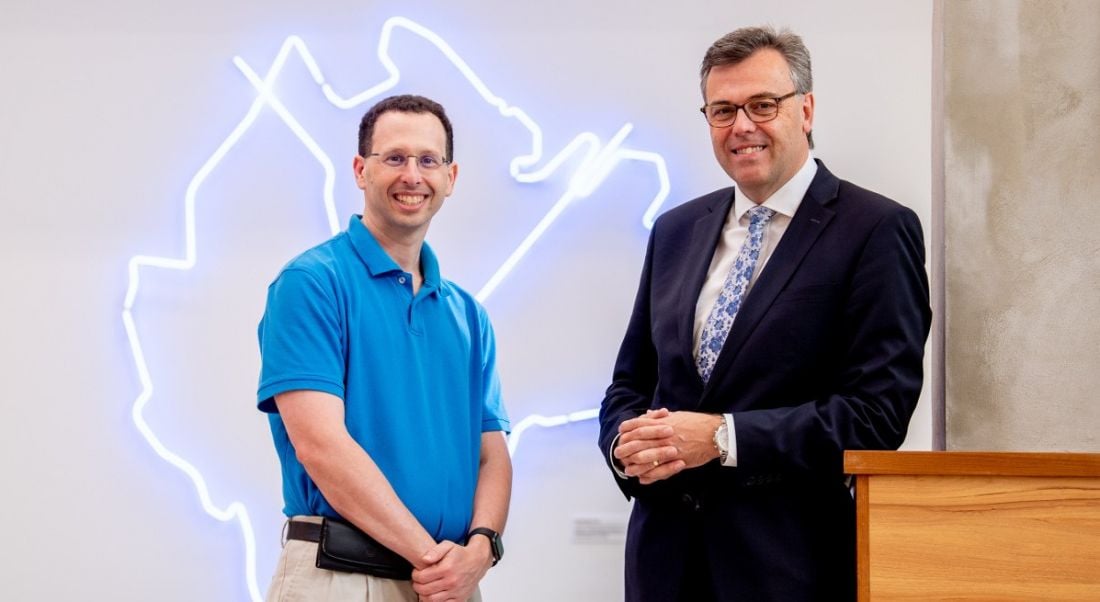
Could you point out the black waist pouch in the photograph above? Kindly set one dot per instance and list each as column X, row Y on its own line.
column 345, row 548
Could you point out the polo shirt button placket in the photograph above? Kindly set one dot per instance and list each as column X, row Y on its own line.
column 414, row 324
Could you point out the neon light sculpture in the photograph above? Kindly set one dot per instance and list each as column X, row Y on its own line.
column 597, row 161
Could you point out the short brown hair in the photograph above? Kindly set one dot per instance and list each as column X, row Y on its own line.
column 405, row 103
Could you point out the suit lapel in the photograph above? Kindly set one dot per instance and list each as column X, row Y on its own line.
column 697, row 260
column 810, row 220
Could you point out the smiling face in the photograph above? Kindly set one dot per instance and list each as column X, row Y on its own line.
column 401, row 201
column 760, row 157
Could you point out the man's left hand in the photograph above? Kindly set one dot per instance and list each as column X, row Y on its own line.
column 453, row 573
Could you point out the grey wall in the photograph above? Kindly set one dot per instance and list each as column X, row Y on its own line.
column 110, row 110
column 1022, row 112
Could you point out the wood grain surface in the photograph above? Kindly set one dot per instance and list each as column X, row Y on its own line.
column 930, row 537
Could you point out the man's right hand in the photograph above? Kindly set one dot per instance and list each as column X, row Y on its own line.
column 433, row 555
column 647, row 448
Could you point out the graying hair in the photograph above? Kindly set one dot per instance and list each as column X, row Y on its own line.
column 740, row 44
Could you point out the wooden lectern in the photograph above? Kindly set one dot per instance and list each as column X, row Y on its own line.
column 977, row 526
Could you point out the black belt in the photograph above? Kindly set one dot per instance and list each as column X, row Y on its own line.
column 303, row 531
column 343, row 547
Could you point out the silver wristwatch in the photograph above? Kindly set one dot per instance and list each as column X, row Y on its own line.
column 722, row 441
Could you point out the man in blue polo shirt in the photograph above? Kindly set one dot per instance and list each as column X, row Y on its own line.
column 379, row 380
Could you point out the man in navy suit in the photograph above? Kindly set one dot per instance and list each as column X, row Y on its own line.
column 778, row 323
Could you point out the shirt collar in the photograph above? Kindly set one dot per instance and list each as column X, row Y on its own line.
column 379, row 263
column 789, row 196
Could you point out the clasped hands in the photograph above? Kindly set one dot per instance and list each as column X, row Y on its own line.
column 660, row 443
column 449, row 571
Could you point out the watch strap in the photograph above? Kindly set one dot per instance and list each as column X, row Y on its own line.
column 495, row 546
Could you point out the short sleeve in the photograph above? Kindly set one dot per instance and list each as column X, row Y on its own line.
column 494, row 417
column 301, row 338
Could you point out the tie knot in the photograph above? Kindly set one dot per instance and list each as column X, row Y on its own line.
column 760, row 214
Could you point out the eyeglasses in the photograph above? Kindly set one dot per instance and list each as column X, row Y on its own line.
column 758, row 110
column 396, row 160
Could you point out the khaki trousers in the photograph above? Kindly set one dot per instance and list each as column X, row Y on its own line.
column 297, row 579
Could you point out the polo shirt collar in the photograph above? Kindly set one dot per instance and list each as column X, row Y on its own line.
column 379, row 263
column 429, row 266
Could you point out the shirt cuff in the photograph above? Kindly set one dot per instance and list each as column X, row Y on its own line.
column 615, row 464
column 731, row 456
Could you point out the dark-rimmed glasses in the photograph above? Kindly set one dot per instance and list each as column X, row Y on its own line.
column 758, row 110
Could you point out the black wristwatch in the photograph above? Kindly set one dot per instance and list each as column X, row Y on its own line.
column 495, row 544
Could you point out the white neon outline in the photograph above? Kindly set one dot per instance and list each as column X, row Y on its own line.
column 546, row 422
column 597, row 162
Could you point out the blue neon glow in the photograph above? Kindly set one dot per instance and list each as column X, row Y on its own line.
column 598, row 159
column 546, row 422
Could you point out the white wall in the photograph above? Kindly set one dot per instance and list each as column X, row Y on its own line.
column 111, row 109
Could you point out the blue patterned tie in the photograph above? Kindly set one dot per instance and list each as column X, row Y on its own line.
column 729, row 300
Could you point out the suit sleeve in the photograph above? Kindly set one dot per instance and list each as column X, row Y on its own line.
column 885, row 319
column 635, row 376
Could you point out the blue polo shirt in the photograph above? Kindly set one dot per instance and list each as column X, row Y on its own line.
column 417, row 373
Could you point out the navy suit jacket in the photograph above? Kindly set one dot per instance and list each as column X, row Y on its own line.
column 825, row 354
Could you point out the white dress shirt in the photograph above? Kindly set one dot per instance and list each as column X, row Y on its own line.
column 784, row 202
